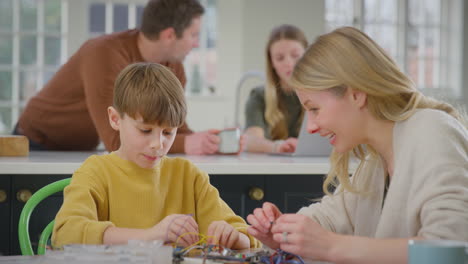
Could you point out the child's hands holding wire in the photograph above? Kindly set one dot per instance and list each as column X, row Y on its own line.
column 179, row 228
column 262, row 221
column 224, row 234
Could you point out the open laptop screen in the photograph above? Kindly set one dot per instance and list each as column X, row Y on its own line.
column 309, row 145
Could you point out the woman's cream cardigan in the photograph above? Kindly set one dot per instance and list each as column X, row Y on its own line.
column 428, row 192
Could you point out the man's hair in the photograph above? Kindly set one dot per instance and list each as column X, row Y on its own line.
column 152, row 91
column 161, row 14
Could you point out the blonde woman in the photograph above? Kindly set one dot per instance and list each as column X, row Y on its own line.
column 412, row 179
column 273, row 113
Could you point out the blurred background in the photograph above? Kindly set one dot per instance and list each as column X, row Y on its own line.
column 425, row 37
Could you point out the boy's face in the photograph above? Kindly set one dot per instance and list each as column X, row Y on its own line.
column 143, row 144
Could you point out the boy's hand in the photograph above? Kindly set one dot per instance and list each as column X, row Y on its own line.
column 173, row 228
column 227, row 236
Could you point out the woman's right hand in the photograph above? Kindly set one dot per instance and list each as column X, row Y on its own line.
column 289, row 145
column 261, row 222
column 173, row 226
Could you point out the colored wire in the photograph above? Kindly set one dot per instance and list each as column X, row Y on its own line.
column 202, row 241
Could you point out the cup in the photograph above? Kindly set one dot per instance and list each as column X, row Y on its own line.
column 229, row 141
column 437, row 252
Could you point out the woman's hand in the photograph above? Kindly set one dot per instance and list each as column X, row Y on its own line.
column 303, row 236
column 289, row 145
column 174, row 226
column 261, row 222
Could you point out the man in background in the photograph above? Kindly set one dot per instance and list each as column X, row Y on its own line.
column 70, row 112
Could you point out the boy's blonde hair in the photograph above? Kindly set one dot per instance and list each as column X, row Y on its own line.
column 345, row 58
column 152, row 91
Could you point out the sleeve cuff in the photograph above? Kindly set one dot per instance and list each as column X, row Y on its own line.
column 94, row 233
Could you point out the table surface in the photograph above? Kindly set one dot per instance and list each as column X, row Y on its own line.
column 61, row 162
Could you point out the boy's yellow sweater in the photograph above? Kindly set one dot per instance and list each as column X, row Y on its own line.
column 109, row 191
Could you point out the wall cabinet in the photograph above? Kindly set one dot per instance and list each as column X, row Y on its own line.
column 243, row 193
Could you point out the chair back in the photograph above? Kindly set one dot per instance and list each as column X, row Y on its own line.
column 23, row 225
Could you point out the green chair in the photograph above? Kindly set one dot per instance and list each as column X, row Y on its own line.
column 23, row 226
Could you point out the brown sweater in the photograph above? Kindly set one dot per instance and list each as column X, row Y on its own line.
column 70, row 112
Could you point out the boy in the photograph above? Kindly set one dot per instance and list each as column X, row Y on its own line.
column 136, row 192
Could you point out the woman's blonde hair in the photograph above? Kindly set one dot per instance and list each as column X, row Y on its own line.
column 274, row 107
column 347, row 57
column 152, row 91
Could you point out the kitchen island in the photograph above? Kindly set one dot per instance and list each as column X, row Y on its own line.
column 244, row 181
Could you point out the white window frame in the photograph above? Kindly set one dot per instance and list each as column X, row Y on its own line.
column 74, row 18
column 109, row 13
column 447, row 68
column 39, row 68
column 202, row 49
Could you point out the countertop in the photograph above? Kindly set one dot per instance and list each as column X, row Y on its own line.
column 57, row 162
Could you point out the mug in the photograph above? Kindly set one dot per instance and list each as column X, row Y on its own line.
column 229, row 141
column 437, row 252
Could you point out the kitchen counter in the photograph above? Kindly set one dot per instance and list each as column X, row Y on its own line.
column 58, row 162
column 244, row 182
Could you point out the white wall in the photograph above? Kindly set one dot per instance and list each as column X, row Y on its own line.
column 243, row 28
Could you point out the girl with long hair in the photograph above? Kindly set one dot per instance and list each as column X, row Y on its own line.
column 273, row 113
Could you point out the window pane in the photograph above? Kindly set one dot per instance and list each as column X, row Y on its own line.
column 432, row 11
column 5, row 120
column 380, row 12
column 28, row 52
column 27, row 84
column 430, row 37
column 120, row 17
column 201, row 62
column 52, row 51
column 48, row 75
column 338, row 13
column 427, row 12
column 52, row 16
column 210, row 54
column 385, row 36
column 139, row 15
column 414, row 11
column 6, row 49
column 28, row 14
column 97, row 18
column 6, row 10
column 413, row 63
column 429, row 73
column 5, row 83
column 413, row 36
column 210, row 20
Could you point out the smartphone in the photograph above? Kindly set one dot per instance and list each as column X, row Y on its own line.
column 229, row 141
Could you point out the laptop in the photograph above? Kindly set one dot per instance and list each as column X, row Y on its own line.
column 309, row 145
